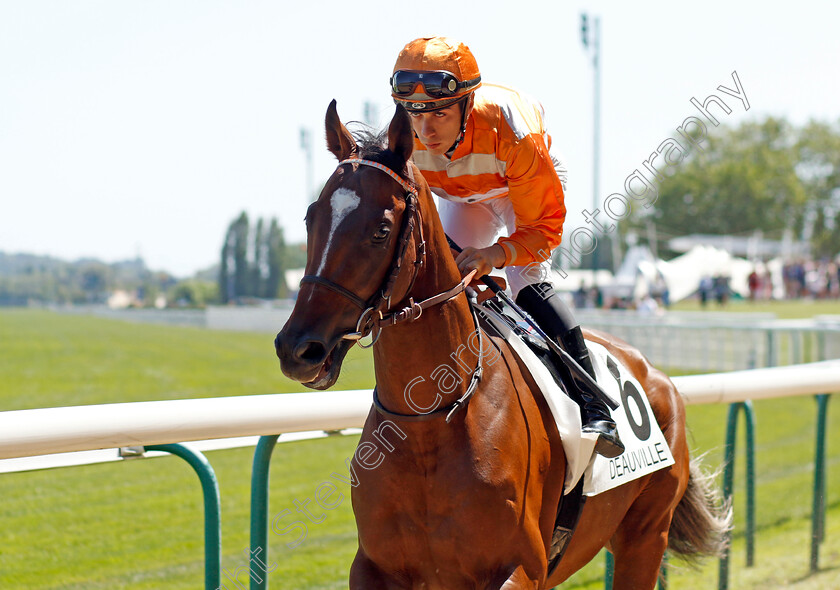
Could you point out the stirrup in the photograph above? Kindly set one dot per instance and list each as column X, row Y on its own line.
column 609, row 444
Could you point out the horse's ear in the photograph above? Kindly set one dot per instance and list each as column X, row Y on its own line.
column 400, row 135
column 339, row 141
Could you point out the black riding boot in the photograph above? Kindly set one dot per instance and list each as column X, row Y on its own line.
column 552, row 315
column 596, row 416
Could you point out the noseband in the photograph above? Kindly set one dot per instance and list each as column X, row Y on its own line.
column 375, row 314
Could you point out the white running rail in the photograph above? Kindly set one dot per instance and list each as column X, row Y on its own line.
column 28, row 433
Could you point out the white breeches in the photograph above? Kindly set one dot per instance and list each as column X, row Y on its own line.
column 479, row 225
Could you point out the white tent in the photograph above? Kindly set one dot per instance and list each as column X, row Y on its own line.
column 683, row 273
column 641, row 274
column 633, row 278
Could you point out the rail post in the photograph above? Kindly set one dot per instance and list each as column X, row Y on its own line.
column 609, row 572
column 212, row 510
column 819, row 502
column 728, row 481
column 259, row 509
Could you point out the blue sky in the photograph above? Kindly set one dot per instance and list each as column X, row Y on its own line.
column 145, row 127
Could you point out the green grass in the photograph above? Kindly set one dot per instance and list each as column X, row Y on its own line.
column 138, row 524
column 49, row 360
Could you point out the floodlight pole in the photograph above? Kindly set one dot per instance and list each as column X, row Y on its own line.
column 369, row 113
column 596, row 104
column 306, row 146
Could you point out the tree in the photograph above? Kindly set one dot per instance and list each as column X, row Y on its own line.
column 193, row 293
column 818, row 166
column 745, row 179
column 95, row 281
column 241, row 272
column 253, row 268
column 226, row 291
column 275, row 285
column 259, row 267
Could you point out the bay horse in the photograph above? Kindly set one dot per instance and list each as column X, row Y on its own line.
column 457, row 479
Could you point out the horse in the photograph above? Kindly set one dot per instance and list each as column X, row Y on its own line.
column 457, row 477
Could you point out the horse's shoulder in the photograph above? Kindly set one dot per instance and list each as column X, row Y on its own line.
column 528, row 402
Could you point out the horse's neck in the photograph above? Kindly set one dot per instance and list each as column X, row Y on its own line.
column 435, row 355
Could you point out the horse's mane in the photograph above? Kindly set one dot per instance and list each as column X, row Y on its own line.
column 373, row 145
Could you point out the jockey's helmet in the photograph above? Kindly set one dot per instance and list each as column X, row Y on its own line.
column 432, row 73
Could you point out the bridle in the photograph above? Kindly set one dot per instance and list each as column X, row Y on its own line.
column 376, row 312
column 372, row 317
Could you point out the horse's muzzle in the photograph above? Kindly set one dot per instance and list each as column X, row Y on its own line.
column 308, row 360
column 300, row 358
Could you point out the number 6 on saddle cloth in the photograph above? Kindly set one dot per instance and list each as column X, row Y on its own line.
column 583, row 378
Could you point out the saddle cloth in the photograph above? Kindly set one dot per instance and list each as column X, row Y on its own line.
column 646, row 449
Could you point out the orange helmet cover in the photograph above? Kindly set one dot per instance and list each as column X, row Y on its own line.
column 430, row 54
column 438, row 53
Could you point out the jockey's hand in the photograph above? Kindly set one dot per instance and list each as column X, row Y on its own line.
column 482, row 260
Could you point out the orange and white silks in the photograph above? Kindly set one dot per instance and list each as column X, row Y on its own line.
column 505, row 155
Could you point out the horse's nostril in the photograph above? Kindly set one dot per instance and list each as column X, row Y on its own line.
column 311, row 351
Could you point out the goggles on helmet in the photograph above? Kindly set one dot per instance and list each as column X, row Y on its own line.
column 436, row 84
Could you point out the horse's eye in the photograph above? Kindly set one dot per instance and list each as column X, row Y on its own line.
column 382, row 233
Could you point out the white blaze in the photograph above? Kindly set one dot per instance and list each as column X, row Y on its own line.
column 343, row 201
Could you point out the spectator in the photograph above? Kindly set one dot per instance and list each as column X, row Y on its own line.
column 754, row 284
column 580, row 296
column 705, row 289
column 721, row 289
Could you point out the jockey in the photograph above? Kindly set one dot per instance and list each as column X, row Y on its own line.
column 485, row 152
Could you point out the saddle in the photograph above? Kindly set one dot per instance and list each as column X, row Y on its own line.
column 587, row 474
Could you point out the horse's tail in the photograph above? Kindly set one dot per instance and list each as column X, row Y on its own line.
column 701, row 521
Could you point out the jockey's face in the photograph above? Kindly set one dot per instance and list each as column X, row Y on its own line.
column 438, row 130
